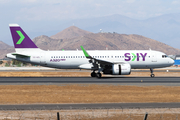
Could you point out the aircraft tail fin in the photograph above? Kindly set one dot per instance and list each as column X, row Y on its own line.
column 20, row 38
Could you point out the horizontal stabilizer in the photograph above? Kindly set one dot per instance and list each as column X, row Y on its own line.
column 20, row 55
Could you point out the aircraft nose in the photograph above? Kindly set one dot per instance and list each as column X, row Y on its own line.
column 171, row 61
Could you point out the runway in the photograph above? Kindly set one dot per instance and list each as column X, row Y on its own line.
column 89, row 106
column 139, row 81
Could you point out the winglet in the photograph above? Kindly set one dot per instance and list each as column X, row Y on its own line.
column 85, row 53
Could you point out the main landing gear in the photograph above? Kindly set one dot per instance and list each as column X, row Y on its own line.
column 152, row 75
column 98, row 75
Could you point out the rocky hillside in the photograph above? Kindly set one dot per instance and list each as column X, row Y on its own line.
column 4, row 49
column 70, row 32
column 99, row 41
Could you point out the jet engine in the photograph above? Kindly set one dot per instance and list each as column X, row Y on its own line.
column 118, row 69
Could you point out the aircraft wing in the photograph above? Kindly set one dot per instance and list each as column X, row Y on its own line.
column 100, row 61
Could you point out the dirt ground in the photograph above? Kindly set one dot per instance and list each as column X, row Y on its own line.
column 23, row 94
column 95, row 114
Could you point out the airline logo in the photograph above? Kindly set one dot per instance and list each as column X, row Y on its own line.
column 133, row 56
column 21, row 37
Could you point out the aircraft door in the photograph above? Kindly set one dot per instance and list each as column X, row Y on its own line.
column 42, row 58
column 154, row 57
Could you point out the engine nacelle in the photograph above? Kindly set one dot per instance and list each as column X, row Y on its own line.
column 118, row 69
column 121, row 69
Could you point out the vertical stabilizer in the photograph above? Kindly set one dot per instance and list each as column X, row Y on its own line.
column 20, row 38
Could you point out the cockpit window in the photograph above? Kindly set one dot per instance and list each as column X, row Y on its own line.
column 164, row 56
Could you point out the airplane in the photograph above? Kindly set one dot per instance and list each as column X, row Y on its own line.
column 113, row 62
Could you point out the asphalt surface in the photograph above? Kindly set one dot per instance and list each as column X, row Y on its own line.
column 89, row 106
column 139, row 81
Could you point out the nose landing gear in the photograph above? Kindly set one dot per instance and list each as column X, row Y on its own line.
column 152, row 75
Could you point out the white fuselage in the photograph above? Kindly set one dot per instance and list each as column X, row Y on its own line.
column 138, row 59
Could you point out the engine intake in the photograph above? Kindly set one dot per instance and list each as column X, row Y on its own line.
column 118, row 69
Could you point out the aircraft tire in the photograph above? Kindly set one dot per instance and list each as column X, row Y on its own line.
column 93, row 74
column 98, row 75
column 152, row 75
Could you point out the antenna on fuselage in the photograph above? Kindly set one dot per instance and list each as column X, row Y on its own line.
column 106, row 47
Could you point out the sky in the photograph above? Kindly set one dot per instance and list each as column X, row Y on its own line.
column 48, row 11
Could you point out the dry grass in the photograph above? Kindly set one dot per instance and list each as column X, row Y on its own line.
column 43, row 74
column 22, row 94
column 157, row 74
column 79, row 74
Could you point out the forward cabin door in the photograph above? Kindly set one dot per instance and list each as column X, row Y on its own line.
column 42, row 58
column 154, row 57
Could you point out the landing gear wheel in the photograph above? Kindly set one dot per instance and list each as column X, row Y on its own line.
column 93, row 74
column 152, row 75
column 98, row 75
column 151, row 70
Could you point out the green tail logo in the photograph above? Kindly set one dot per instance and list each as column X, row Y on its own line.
column 21, row 37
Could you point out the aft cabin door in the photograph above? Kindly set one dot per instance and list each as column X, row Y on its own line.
column 42, row 58
column 153, row 56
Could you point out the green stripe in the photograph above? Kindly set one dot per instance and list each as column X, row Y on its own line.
column 84, row 51
column 21, row 37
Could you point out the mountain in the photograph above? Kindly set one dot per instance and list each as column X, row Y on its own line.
column 70, row 32
column 164, row 28
column 99, row 41
column 4, row 49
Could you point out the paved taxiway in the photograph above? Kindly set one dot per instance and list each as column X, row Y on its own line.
column 89, row 106
column 144, row 81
